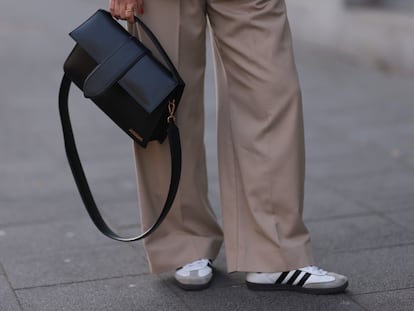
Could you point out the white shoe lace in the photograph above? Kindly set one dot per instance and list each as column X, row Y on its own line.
column 196, row 265
column 314, row 270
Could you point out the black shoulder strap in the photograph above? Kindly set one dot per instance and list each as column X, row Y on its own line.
column 82, row 183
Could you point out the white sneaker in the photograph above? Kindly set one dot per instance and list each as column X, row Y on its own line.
column 311, row 279
column 196, row 275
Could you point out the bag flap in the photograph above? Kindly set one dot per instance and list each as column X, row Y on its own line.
column 113, row 68
column 100, row 35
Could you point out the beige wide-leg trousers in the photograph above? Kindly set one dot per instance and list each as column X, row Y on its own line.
column 260, row 140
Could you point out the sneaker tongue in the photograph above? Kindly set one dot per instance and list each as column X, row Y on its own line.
column 314, row 270
column 196, row 265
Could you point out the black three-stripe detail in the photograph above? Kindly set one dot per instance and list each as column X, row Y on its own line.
column 294, row 277
column 281, row 277
column 304, row 279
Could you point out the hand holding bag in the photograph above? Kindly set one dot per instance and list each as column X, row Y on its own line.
column 138, row 92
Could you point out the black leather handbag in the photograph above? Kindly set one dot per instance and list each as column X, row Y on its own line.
column 133, row 88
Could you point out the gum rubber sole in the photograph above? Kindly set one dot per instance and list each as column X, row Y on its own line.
column 314, row 291
column 193, row 287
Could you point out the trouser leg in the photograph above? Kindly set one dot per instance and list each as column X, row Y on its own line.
column 190, row 231
column 260, row 136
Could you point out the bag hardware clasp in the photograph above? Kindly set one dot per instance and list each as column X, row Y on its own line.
column 171, row 110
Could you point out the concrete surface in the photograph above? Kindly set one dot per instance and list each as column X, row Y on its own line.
column 381, row 36
column 359, row 190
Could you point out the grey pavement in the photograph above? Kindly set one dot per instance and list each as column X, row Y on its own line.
column 359, row 189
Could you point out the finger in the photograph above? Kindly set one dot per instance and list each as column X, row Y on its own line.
column 117, row 10
column 130, row 16
column 140, row 6
column 128, row 10
column 131, row 10
column 112, row 7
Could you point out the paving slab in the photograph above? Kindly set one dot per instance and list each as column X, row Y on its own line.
column 373, row 270
column 127, row 294
column 40, row 209
column 51, row 268
column 358, row 232
column 352, row 161
column 368, row 108
column 322, row 143
column 323, row 203
column 382, row 191
column 405, row 219
column 8, row 300
column 67, row 207
column 240, row 298
column 49, row 237
column 398, row 300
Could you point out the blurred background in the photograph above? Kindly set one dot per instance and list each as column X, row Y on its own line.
column 356, row 65
column 376, row 32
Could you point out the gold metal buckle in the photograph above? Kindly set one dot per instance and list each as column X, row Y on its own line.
column 171, row 110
